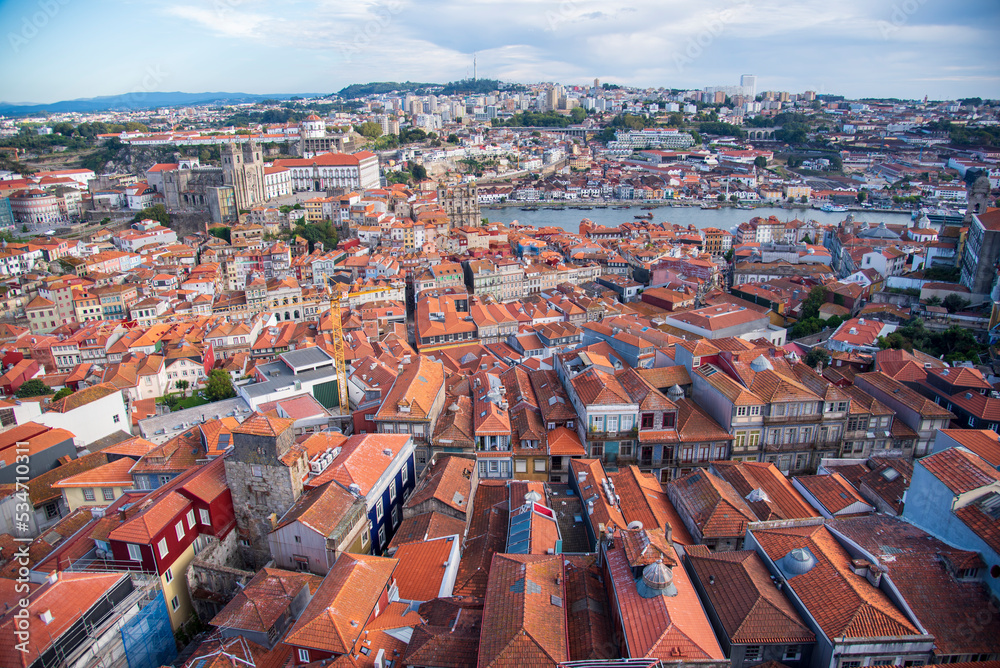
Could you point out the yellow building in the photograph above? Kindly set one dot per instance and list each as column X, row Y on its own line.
column 97, row 487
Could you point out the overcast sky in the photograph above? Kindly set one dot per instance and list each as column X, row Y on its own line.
column 64, row 49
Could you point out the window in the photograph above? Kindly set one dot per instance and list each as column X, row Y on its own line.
column 539, row 466
column 740, row 441
column 175, row 603
column 754, row 438
column 395, row 516
column 162, row 547
column 108, row 493
column 755, row 410
column 779, row 409
column 179, row 528
column 494, row 466
column 792, row 653
column 520, row 466
column 190, row 518
column 404, row 474
column 134, row 553
column 752, row 653
column 392, row 491
column 379, row 510
column 116, row 419
column 741, row 411
column 381, row 535
column 597, row 450
column 850, row 664
column 204, row 516
column 169, row 576
column 164, row 479
column 625, row 449
column 88, row 494
column 304, row 656
column 256, row 471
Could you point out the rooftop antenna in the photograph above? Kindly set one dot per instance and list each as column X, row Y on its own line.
column 474, row 77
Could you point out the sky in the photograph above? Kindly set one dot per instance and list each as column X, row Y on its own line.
column 65, row 49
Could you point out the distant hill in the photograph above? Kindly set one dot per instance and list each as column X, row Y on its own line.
column 382, row 87
column 138, row 101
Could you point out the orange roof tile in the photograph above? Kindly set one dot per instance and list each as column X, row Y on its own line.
column 422, row 568
column 112, row 474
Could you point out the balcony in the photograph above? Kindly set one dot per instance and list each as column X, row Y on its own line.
column 793, row 419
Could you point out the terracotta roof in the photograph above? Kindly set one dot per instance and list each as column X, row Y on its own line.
column 565, row 442
column 486, row 535
column 413, row 393
column 834, row 492
column 843, row 603
column 363, row 459
column 259, row 604
column 422, row 567
column 918, row 564
column 522, row 624
column 448, row 480
column 153, row 515
column 450, row 636
column 960, row 470
column 82, row 398
column 588, row 616
column 426, row 526
column 712, row 504
column 643, row 500
column 340, row 608
column 237, row 652
column 664, row 627
column 739, row 588
column 769, row 494
column 67, row 599
column 112, row 474
column 264, row 425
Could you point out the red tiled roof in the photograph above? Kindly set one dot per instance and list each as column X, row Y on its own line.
column 448, row 480
column 643, row 500
column 712, row 504
column 918, row 565
column 665, row 627
column 739, row 588
column 843, row 603
column 362, row 460
column 340, row 608
column 263, row 600
column 422, row 567
column 833, row 492
column 522, row 625
column 780, row 501
column 960, row 470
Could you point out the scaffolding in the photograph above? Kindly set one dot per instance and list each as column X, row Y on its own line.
column 124, row 629
column 337, row 334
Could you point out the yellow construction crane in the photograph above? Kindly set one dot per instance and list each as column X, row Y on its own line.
column 337, row 333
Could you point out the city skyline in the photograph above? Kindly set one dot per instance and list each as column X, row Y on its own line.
column 302, row 46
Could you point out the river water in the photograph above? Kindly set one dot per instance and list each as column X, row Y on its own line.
column 725, row 219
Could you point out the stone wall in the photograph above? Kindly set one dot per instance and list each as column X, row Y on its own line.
column 215, row 575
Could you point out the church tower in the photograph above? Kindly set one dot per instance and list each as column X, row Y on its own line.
column 243, row 169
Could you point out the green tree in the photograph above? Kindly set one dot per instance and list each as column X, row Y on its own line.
column 32, row 388
column 804, row 199
column 807, row 240
column 419, row 172
column 370, row 130
column 219, row 386
column 815, row 299
column 933, row 301
column 955, row 303
column 862, row 196
column 65, row 392
column 760, row 162
column 729, row 255
column 223, row 233
column 182, row 385
column 157, row 212
column 816, row 356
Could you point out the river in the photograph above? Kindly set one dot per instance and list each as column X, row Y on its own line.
column 725, row 219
